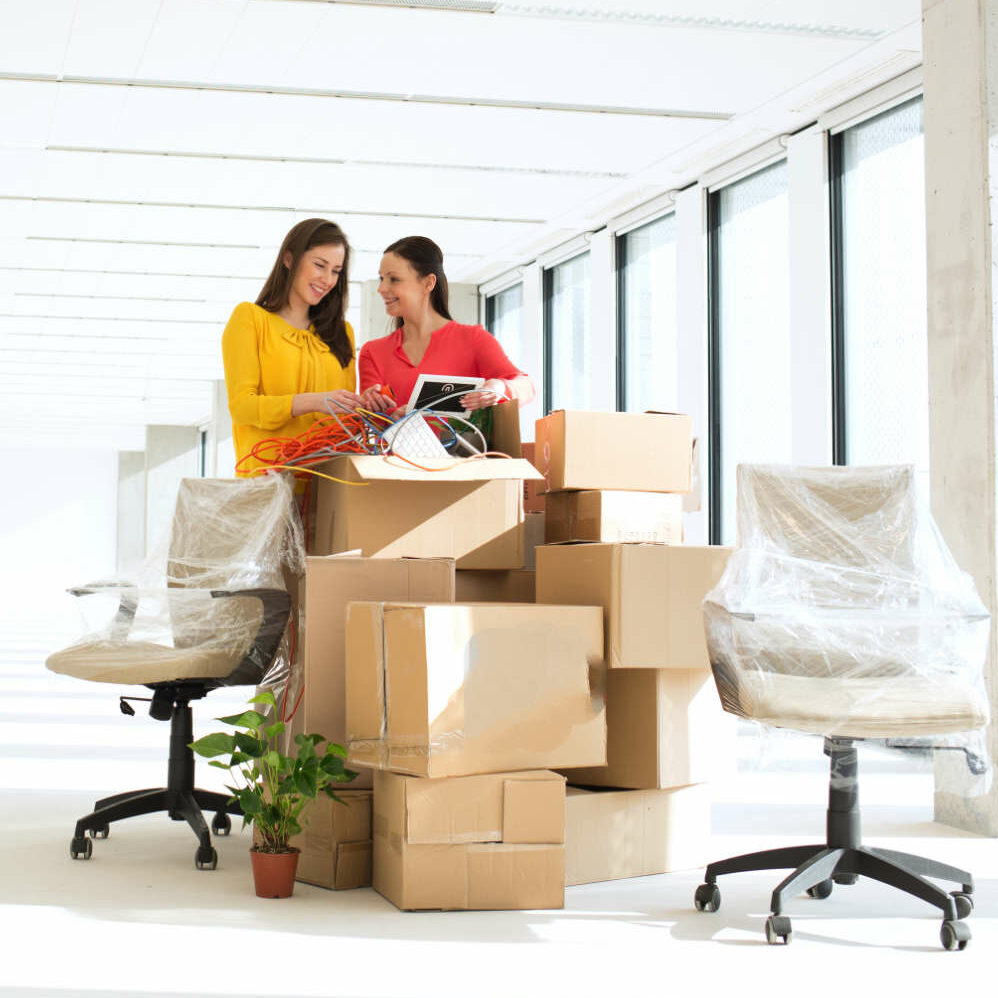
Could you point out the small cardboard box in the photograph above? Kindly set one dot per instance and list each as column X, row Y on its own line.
column 472, row 842
column 614, row 516
column 665, row 728
column 329, row 584
column 651, row 596
column 635, row 451
column 386, row 508
column 441, row 690
column 533, row 489
column 613, row 834
column 511, row 586
column 336, row 842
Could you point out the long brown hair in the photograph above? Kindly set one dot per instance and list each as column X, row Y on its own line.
column 328, row 317
column 425, row 257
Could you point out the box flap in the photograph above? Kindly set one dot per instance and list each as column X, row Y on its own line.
column 533, row 811
column 363, row 467
column 353, row 865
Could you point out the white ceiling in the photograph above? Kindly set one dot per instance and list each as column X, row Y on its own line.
column 154, row 152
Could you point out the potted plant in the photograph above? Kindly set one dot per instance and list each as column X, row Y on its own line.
column 272, row 788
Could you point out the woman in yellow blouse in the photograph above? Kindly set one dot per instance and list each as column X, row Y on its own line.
column 289, row 358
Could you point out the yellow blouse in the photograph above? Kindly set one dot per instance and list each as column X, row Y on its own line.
column 267, row 362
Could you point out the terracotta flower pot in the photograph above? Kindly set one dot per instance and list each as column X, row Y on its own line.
column 274, row 873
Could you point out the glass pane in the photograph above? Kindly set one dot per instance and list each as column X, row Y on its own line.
column 884, row 297
column 506, row 310
column 648, row 313
column 570, row 357
column 754, row 291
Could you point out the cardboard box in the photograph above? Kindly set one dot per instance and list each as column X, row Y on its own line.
column 472, row 511
column 511, row 586
column 651, row 596
column 473, row 842
column 665, row 728
column 336, row 844
column 613, row 834
column 445, row 690
column 533, row 489
column 636, row 451
column 614, row 516
column 329, row 584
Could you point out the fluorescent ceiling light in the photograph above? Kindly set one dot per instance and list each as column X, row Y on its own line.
column 465, row 6
column 60, row 294
column 123, row 242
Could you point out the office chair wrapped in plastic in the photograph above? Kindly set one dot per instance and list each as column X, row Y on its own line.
column 842, row 613
column 217, row 618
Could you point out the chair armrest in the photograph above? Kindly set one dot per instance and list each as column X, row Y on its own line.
column 127, row 605
column 276, row 612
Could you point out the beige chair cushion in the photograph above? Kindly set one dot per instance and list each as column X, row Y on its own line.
column 859, row 707
column 142, row 662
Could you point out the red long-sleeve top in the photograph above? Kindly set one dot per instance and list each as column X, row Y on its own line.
column 455, row 350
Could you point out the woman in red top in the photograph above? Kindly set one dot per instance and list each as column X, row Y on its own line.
column 427, row 340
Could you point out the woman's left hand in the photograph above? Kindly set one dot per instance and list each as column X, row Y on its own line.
column 491, row 393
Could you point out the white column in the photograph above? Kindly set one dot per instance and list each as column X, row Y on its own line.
column 131, row 516
column 960, row 40
column 603, row 319
column 171, row 454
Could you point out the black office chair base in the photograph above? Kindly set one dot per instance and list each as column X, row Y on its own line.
column 842, row 860
column 180, row 799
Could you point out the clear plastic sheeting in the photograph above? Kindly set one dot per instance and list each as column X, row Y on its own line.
column 842, row 613
column 211, row 604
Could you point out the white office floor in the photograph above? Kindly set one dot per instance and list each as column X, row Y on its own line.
column 139, row 920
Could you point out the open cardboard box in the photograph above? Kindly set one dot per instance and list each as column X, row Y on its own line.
column 470, row 510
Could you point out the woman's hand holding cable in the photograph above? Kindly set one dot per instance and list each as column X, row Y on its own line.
column 491, row 393
column 374, row 401
column 339, row 400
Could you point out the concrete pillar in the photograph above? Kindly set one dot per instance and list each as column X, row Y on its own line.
column 172, row 453
column 960, row 39
column 131, row 519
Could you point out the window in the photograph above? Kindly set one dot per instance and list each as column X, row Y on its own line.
column 568, row 374
column 749, row 352
column 646, row 333
column 504, row 319
column 880, row 361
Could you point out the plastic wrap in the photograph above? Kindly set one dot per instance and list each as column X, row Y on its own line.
column 189, row 616
column 842, row 612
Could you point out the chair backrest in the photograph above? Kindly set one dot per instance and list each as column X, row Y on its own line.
column 847, row 517
column 234, row 533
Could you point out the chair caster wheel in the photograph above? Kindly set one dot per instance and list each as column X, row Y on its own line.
column 81, row 847
column 954, row 935
column 822, row 890
column 707, row 897
column 206, row 858
column 964, row 903
column 221, row 823
column 100, row 833
column 846, row 878
column 778, row 929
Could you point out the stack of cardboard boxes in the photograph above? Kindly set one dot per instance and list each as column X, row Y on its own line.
column 462, row 711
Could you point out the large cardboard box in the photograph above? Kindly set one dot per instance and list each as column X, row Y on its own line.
column 329, row 584
column 613, row 834
column 651, row 596
column 614, row 516
column 511, row 586
column 485, row 842
column 384, row 507
column 336, row 842
column 439, row 690
column 636, row 451
column 665, row 728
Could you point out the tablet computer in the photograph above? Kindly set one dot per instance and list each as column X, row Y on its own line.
column 441, row 393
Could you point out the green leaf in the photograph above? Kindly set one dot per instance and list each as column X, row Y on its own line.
column 250, row 801
column 217, row 743
column 306, row 783
column 254, row 747
column 333, row 749
column 219, row 765
column 273, row 730
column 266, row 697
column 273, row 759
column 247, row 719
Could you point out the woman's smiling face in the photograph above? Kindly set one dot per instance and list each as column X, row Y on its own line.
column 402, row 290
column 317, row 273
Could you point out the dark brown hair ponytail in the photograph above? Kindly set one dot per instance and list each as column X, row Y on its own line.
column 425, row 257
